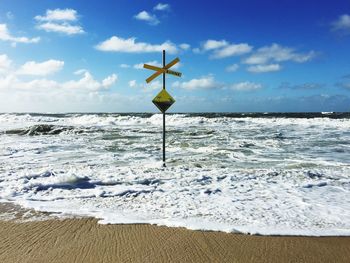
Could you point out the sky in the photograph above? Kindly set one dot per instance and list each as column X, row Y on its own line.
column 235, row 55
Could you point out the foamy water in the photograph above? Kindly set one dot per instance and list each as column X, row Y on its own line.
column 272, row 174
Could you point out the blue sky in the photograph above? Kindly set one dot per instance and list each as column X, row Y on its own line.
column 64, row 56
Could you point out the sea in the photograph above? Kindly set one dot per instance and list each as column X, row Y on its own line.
column 255, row 173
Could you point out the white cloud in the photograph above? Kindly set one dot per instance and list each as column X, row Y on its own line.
column 245, row 86
column 185, row 46
column 278, row 53
column 214, row 44
column 264, row 68
column 59, row 15
column 118, row 44
column 342, row 24
column 41, row 69
column 132, row 83
column 232, row 50
column 232, row 68
column 6, row 36
column 124, row 66
column 223, row 49
column 12, row 79
column 138, row 66
column 207, row 82
column 155, row 85
column 145, row 16
column 64, row 28
column 11, row 82
column 5, row 63
column 162, row 7
column 146, row 87
column 87, row 82
column 83, row 93
column 60, row 21
column 80, row 71
column 109, row 81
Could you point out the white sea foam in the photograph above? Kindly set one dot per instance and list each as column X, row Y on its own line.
column 279, row 176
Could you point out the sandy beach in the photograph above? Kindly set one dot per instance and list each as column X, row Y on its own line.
column 84, row 240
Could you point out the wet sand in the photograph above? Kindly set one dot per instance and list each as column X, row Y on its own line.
column 83, row 240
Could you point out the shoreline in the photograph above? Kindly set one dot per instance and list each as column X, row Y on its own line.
column 84, row 240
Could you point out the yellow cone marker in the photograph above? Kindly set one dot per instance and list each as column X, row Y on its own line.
column 163, row 100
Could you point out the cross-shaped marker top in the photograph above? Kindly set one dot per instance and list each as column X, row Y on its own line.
column 162, row 70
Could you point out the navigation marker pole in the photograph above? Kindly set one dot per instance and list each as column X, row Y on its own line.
column 163, row 100
column 164, row 112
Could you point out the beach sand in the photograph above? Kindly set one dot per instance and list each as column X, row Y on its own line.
column 25, row 239
column 84, row 240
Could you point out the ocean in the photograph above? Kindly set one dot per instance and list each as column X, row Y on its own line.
column 257, row 173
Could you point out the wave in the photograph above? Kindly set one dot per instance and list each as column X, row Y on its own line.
column 268, row 202
column 43, row 129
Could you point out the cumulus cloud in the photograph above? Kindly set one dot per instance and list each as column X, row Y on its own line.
column 278, row 53
column 342, row 24
column 80, row 71
column 264, row 68
column 88, row 82
column 149, row 18
column 207, row 82
column 41, row 68
column 60, row 21
column 5, row 35
column 109, row 81
column 85, row 83
column 64, row 28
column 59, row 15
column 155, row 85
column 232, row 68
column 124, row 65
column 245, row 86
column 185, row 46
column 139, row 66
column 162, row 7
column 10, row 77
column 11, row 82
column 232, row 50
column 144, row 87
column 132, row 83
column 129, row 45
column 223, row 49
column 214, row 44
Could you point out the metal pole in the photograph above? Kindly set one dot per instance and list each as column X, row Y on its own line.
column 164, row 113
